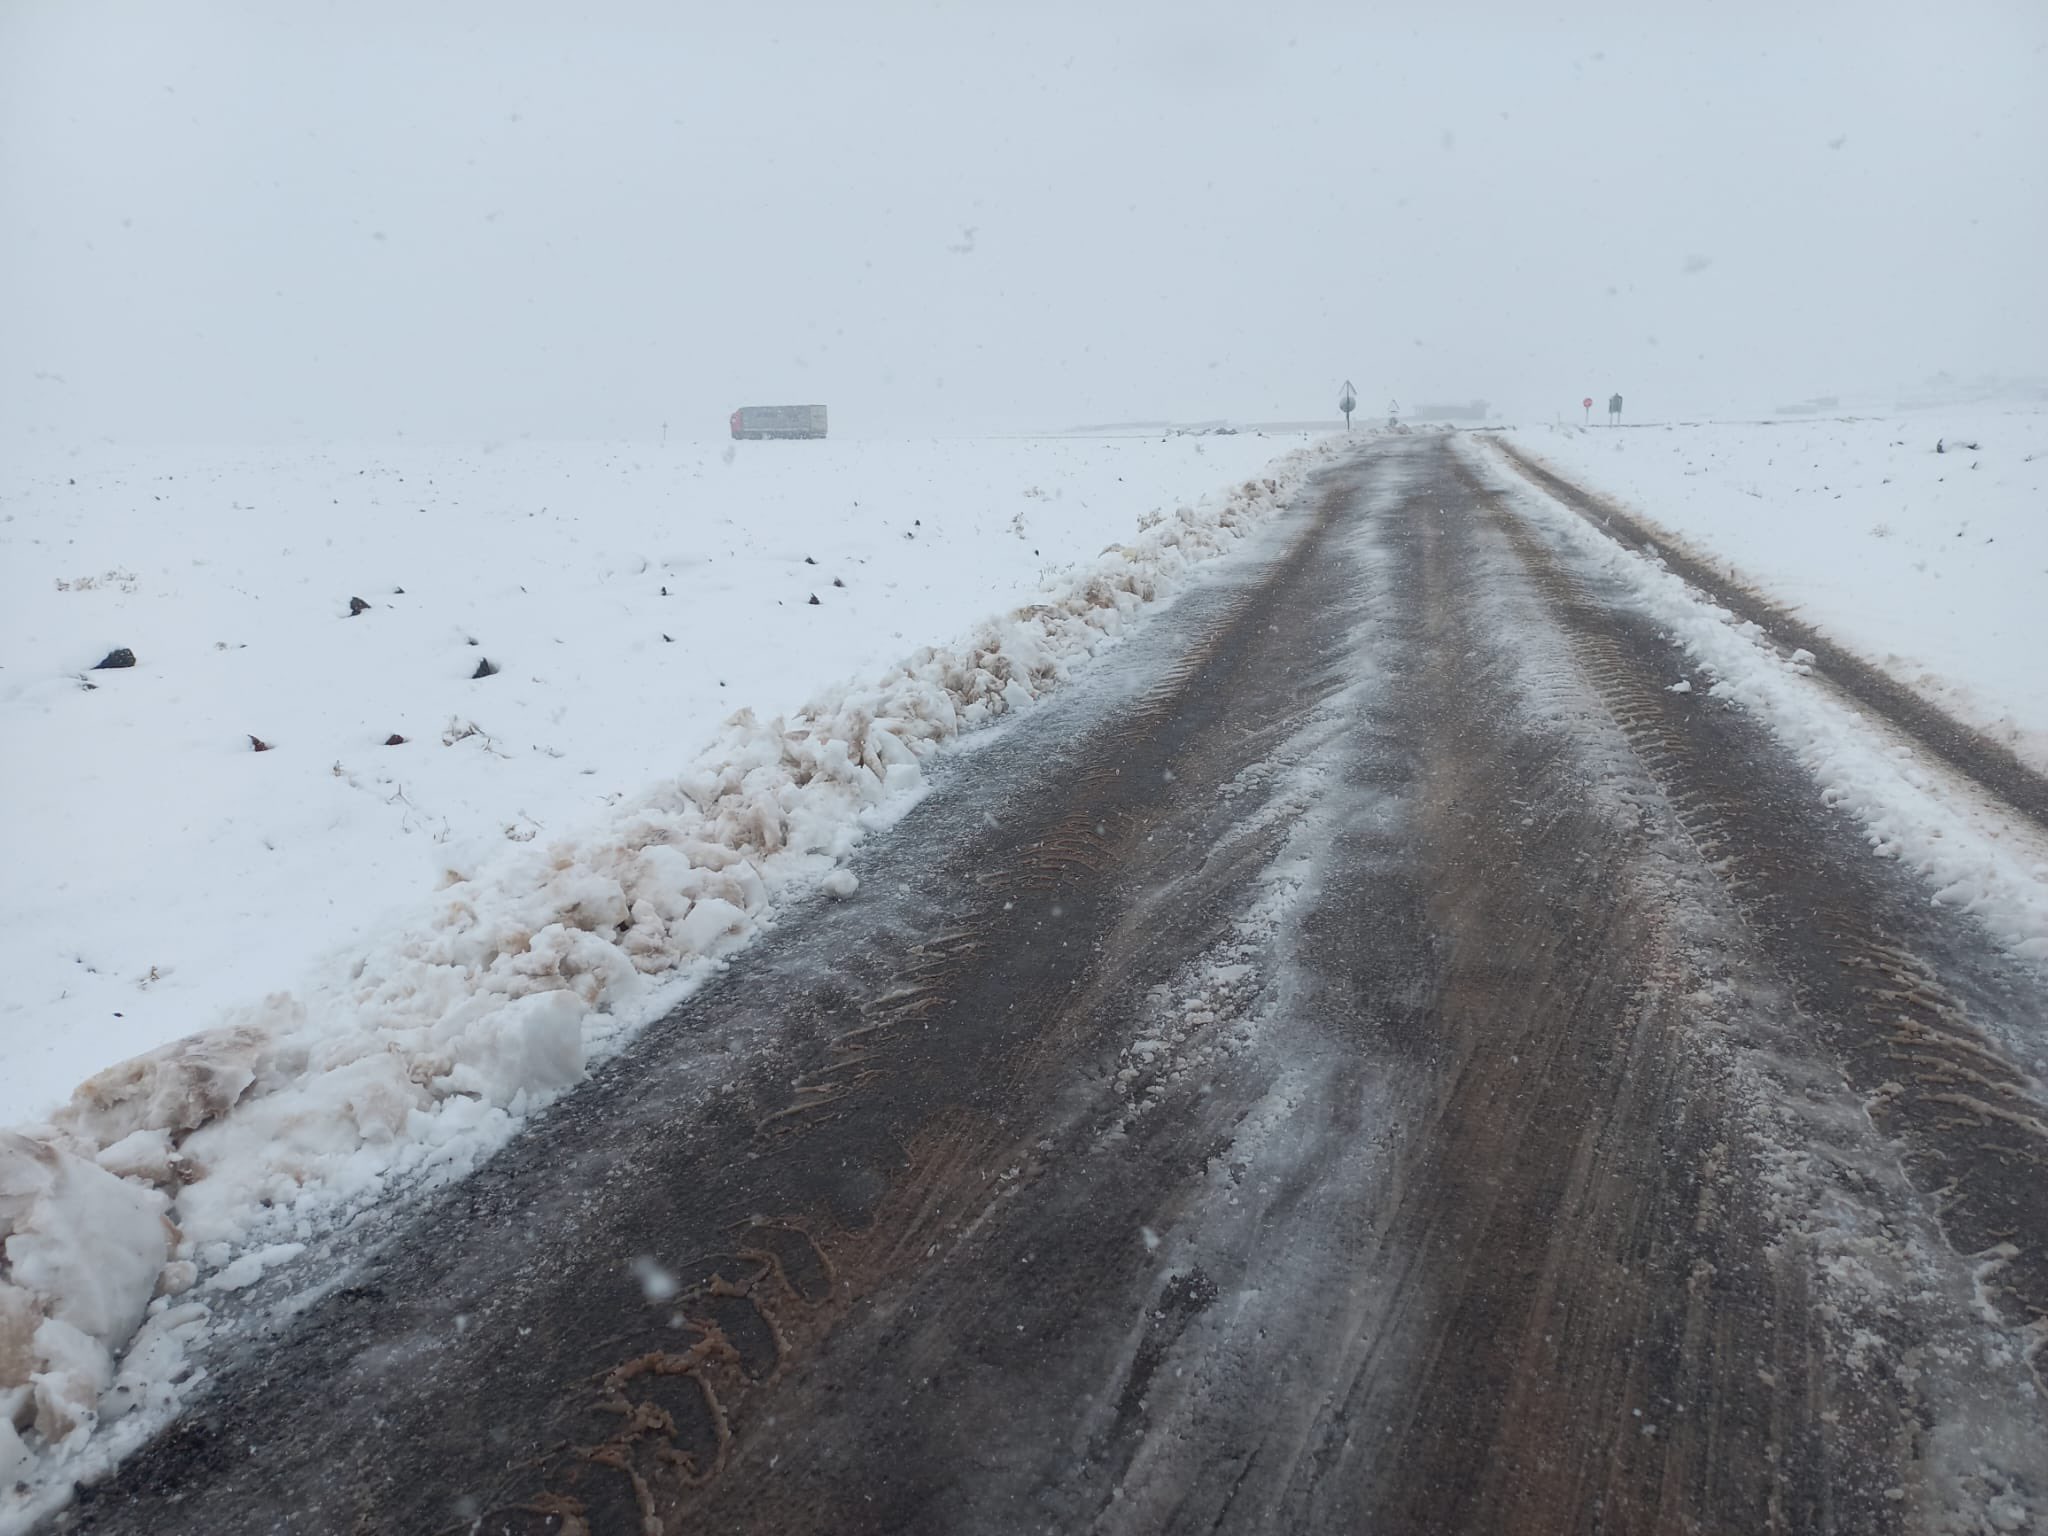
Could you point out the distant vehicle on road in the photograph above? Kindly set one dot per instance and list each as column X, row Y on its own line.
column 756, row 421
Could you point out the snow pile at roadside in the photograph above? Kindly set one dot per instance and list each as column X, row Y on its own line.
column 624, row 598
column 1918, row 541
column 1972, row 852
column 195, row 1167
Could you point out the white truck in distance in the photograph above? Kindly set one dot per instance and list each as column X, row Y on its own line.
column 757, row 421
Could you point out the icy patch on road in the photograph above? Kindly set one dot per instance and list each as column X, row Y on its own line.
column 1207, row 1011
column 422, row 1051
column 1253, row 1009
column 1902, row 1313
column 1973, row 853
column 1211, row 1008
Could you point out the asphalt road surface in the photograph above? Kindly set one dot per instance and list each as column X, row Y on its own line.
column 1369, row 1058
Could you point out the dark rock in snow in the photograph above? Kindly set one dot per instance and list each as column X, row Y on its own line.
column 837, row 582
column 356, row 605
column 398, row 591
column 809, row 561
column 814, row 601
column 483, row 668
column 120, row 657
column 259, row 744
column 394, row 740
column 671, row 639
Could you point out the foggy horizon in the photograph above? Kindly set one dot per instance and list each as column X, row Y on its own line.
column 229, row 223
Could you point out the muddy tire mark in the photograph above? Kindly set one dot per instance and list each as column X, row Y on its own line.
column 1960, row 746
column 1862, row 951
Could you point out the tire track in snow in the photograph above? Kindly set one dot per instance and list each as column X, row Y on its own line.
column 1864, row 958
column 1969, row 751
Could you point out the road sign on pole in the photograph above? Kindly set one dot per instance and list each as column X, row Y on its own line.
column 1588, row 404
column 1347, row 402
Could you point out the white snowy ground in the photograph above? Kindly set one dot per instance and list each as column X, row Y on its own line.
column 362, row 961
column 161, row 869
column 1933, row 566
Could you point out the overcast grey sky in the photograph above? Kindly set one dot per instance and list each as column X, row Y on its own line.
column 473, row 220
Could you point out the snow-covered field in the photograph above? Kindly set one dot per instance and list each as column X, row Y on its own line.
column 710, row 669
column 1932, row 565
column 161, row 868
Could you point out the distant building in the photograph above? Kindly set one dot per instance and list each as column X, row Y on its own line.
column 755, row 421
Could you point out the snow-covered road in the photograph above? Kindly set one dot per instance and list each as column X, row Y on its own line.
column 1440, row 1031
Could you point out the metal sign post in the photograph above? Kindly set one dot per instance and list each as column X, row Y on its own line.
column 1588, row 404
column 1347, row 402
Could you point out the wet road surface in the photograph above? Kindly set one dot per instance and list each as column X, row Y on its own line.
column 1370, row 1058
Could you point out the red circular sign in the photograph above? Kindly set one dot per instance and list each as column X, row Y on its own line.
column 1587, row 402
